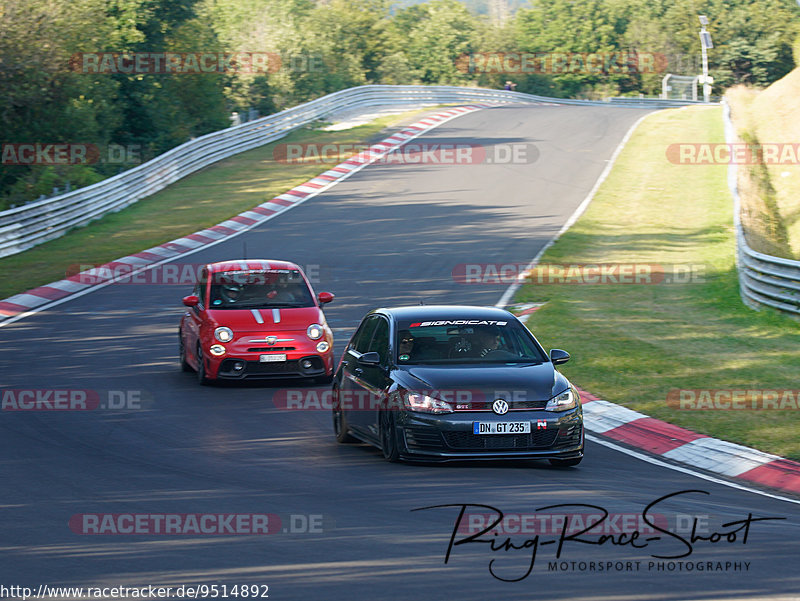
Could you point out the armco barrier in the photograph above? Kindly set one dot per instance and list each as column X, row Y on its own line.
column 26, row 226
column 764, row 280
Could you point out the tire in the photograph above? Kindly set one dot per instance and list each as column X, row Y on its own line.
column 389, row 446
column 566, row 462
column 340, row 428
column 201, row 367
column 182, row 354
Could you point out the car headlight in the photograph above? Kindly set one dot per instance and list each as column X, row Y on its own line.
column 315, row 331
column 223, row 334
column 563, row 402
column 426, row 404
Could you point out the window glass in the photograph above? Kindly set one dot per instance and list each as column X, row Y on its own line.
column 380, row 340
column 257, row 289
column 363, row 336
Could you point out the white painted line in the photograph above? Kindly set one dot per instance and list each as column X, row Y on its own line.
column 685, row 470
column 512, row 289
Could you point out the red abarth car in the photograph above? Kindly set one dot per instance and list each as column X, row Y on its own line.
column 255, row 319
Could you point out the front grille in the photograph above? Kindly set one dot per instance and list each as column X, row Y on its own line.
column 277, row 367
column 423, row 439
column 265, row 349
column 538, row 439
column 512, row 405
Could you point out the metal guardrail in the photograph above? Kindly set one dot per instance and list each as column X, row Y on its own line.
column 764, row 280
column 34, row 223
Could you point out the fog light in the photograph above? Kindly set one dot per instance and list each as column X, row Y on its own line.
column 217, row 350
column 323, row 346
column 306, row 364
column 238, row 366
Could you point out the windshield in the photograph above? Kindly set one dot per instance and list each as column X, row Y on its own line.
column 472, row 341
column 259, row 289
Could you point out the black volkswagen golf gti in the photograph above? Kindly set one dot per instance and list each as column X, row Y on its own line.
column 455, row 382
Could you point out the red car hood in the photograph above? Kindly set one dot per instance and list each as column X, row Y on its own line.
column 242, row 321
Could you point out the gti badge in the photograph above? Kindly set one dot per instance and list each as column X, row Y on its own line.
column 500, row 407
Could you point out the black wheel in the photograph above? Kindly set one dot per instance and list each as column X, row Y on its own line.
column 339, row 421
column 182, row 353
column 389, row 446
column 565, row 462
column 201, row 367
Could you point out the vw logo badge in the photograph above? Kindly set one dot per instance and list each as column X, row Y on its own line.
column 500, row 407
column 271, row 340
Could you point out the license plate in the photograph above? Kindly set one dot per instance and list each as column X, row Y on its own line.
column 501, row 427
column 272, row 358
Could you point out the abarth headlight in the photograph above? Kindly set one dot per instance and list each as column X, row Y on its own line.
column 223, row 334
column 315, row 331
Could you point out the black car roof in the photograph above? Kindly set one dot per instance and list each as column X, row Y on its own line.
column 441, row 312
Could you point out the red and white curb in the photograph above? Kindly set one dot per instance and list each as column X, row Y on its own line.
column 684, row 446
column 32, row 301
column 653, row 436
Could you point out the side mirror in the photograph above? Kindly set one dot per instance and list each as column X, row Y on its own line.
column 191, row 301
column 557, row 356
column 324, row 297
column 371, row 358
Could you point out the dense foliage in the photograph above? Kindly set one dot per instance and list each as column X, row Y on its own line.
column 316, row 47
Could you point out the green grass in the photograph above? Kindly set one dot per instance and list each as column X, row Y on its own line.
column 194, row 203
column 631, row 344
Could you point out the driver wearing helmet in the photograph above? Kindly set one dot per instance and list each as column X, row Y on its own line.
column 231, row 293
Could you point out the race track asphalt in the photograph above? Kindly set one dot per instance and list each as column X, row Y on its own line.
column 391, row 234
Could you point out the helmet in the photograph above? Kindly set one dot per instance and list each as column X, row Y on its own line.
column 231, row 292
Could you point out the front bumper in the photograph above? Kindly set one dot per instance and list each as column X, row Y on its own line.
column 450, row 436
column 239, row 363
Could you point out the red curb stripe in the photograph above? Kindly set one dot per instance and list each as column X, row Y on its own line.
column 198, row 238
column 263, row 211
column 147, row 256
column 222, row 230
column 48, row 293
column 296, row 192
column 652, row 435
column 243, row 220
column 12, row 309
column 782, row 473
column 313, row 185
column 330, row 178
column 176, row 247
column 282, row 201
column 340, row 170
